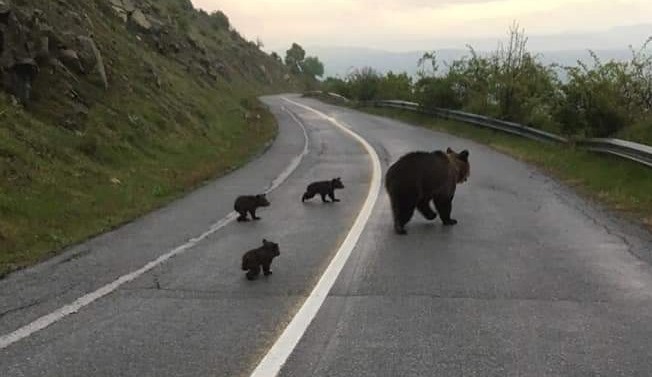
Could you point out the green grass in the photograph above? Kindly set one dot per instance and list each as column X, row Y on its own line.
column 68, row 174
column 54, row 197
column 622, row 185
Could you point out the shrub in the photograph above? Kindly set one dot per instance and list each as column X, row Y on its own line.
column 364, row 84
column 220, row 21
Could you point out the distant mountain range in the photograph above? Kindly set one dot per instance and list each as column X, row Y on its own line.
column 564, row 49
column 339, row 61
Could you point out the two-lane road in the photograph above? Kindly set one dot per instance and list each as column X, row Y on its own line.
column 532, row 282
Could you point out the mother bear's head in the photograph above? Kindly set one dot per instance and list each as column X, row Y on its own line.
column 460, row 162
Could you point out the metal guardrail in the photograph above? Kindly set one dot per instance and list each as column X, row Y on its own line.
column 319, row 93
column 640, row 153
column 626, row 149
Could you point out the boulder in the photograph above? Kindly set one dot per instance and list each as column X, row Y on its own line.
column 126, row 6
column 139, row 21
column 20, row 77
column 71, row 60
column 92, row 58
column 122, row 14
column 196, row 43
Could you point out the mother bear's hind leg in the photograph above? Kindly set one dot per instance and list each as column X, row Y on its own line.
column 403, row 211
column 424, row 208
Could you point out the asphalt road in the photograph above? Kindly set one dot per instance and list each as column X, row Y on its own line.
column 532, row 282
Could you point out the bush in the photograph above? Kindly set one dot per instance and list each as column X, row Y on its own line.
column 337, row 85
column 364, row 84
column 436, row 92
column 396, row 86
column 594, row 101
column 220, row 21
column 601, row 100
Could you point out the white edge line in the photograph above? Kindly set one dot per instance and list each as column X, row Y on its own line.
column 57, row 315
column 276, row 357
column 294, row 164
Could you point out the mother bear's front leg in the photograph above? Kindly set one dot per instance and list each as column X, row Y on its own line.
column 445, row 207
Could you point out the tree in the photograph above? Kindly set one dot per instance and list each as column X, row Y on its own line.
column 312, row 67
column 294, row 57
column 276, row 57
column 428, row 65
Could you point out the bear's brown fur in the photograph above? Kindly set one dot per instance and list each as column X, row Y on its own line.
column 254, row 259
column 323, row 188
column 418, row 178
column 248, row 204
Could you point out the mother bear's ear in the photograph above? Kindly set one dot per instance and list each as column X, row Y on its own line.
column 464, row 155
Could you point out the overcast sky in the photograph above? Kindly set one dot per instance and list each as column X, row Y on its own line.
column 400, row 25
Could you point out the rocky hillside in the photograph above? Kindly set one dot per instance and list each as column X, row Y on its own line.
column 63, row 57
column 112, row 107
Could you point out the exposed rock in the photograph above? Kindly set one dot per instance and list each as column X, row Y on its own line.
column 17, row 64
column 88, row 20
column 75, row 16
column 43, row 50
column 122, row 14
column 138, row 20
column 92, row 58
column 196, row 43
column 21, row 77
column 4, row 11
column 62, row 54
column 128, row 5
column 71, row 60
column 154, row 76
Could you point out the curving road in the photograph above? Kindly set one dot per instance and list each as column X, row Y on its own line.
column 532, row 282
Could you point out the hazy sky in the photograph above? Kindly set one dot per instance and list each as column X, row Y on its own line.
column 406, row 24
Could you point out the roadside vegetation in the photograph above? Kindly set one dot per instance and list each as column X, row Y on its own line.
column 600, row 99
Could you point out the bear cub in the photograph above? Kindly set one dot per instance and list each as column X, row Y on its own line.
column 419, row 178
column 248, row 204
column 254, row 259
column 323, row 188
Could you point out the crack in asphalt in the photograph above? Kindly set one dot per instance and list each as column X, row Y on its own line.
column 19, row 308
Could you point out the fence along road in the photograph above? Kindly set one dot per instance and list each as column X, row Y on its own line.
column 626, row 149
column 637, row 152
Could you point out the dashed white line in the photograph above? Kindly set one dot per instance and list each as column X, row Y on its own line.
column 276, row 357
column 57, row 315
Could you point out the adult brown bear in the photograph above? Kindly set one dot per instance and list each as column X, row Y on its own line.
column 418, row 178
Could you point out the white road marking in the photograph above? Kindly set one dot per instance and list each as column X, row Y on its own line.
column 57, row 315
column 276, row 357
column 297, row 160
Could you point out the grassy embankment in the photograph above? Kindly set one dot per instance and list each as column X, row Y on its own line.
column 81, row 159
